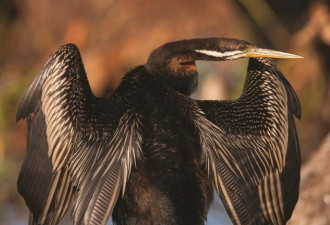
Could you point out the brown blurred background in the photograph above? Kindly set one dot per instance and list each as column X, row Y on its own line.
column 114, row 36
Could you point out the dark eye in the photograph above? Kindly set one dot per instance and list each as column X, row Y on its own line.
column 187, row 63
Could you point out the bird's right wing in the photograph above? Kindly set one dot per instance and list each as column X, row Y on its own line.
column 79, row 147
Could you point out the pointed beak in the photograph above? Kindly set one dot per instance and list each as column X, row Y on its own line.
column 250, row 52
column 255, row 52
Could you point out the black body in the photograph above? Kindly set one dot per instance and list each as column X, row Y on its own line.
column 170, row 185
column 149, row 154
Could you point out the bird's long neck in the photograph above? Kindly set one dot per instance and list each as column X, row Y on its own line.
column 175, row 62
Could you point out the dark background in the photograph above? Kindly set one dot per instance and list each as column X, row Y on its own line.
column 115, row 36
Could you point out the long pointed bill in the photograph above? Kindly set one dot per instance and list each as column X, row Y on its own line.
column 261, row 52
column 250, row 52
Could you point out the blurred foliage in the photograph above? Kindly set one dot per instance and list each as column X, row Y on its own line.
column 114, row 36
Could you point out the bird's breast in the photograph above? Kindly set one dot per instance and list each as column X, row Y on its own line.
column 169, row 186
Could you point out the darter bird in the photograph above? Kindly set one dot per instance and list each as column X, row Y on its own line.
column 150, row 154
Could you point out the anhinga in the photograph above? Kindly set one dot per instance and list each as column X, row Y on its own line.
column 150, row 154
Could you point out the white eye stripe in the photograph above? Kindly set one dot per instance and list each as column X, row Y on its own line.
column 219, row 54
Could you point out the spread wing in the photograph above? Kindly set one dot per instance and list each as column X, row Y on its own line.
column 250, row 147
column 80, row 148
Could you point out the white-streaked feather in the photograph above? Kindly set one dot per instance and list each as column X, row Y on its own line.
column 73, row 151
column 219, row 54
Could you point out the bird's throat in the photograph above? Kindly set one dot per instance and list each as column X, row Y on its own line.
column 186, row 84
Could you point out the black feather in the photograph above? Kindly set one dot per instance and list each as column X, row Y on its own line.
column 35, row 178
column 31, row 98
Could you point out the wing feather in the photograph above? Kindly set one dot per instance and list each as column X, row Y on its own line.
column 102, row 190
column 36, row 182
column 265, row 157
column 105, row 197
column 75, row 151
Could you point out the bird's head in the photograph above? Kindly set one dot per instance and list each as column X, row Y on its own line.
column 174, row 62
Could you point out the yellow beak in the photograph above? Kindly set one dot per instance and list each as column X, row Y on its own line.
column 255, row 52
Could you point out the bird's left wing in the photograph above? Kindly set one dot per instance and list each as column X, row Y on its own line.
column 79, row 146
column 250, row 147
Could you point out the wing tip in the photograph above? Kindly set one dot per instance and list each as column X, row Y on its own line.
column 298, row 113
column 19, row 116
column 26, row 106
column 67, row 48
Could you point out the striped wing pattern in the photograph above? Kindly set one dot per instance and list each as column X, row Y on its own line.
column 248, row 159
column 67, row 141
column 110, row 173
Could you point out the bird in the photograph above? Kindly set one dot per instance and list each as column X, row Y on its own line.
column 151, row 154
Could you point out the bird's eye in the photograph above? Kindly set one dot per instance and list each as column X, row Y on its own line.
column 187, row 63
